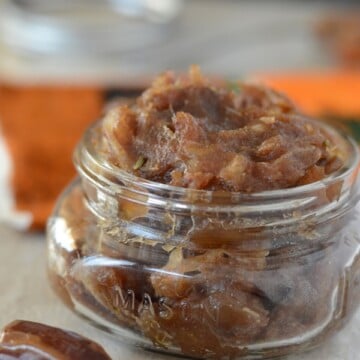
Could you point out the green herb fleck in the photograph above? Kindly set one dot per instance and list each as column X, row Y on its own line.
column 139, row 163
column 234, row 86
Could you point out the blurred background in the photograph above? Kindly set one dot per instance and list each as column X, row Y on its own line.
column 61, row 62
column 120, row 41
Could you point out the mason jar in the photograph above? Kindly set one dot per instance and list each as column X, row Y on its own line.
column 207, row 274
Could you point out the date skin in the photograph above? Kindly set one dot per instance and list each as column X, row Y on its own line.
column 34, row 341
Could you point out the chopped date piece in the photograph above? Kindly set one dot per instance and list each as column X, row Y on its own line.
column 34, row 341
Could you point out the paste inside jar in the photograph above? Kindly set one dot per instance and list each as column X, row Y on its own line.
column 187, row 132
column 205, row 295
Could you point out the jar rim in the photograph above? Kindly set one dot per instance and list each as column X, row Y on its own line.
column 86, row 159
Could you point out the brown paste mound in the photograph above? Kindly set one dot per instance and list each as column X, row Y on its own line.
column 188, row 132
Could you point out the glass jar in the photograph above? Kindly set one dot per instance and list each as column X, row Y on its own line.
column 207, row 274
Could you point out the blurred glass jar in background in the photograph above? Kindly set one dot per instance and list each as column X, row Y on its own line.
column 86, row 27
column 207, row 274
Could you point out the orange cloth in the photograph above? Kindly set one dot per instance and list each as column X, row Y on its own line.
column 41, row 126
column 333, row 92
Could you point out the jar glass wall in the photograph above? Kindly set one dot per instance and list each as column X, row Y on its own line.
column 207, row 274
